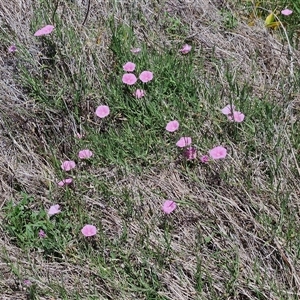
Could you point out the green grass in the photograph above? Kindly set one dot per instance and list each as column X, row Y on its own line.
column 235, row 232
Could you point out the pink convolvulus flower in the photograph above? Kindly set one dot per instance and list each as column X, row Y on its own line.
column 172, row 126
column 84, row 154
column 204, row 159
column 68, row 165
column 236, row 117
column 286, row 12
column 184, row 141
column 65, row 182
column 129, row 67
column 146, row 76
column 12, row 49
column 27, row 282
column 228, row 109
column 139, row 93
column 218, row 152
column 190, row 153
column 89, row 230
column 42, row 234
column 129, row 79
column 232, row 114
column 185, row 49
column 45, row 30
column 169, row 206
column 102, row 111
column 54, row 209
column 135, row 50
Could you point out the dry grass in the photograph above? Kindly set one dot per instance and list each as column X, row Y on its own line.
column 219, row 239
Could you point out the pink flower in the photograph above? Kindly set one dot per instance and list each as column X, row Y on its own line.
column 218, row 152
column 12, row 49
column 169, row 206
column 54, row 209
column 146, row 76
column 286, row 12
column 61, row 183
column 65, row 181
column 45, row 30
column 172, row 126
column 86, row 153
column 135, row 50
column 204, row 159
column 89, row 230
column 129, row 79
column 185, row 49
column 79, row 135
column 237, row 117
column 233, row 115
column 228, row 109
column 190, row 153
column 68, row 165
column 184, row 141
column 42, row 234
column 129, row 67
column 102, row 111
column 139, row 93
column 27, row 282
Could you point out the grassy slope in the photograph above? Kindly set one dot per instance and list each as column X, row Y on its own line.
column 235, row 233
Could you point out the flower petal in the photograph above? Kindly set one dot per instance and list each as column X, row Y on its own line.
column 89, row 230
column 45, row 30
column 172, row 126
column 102, row 111
column 169, row 206
column 184, row 141
column 218, row 152
column 129, row 79
column 146, row 76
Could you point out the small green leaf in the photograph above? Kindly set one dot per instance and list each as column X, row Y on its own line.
column 270, row 19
